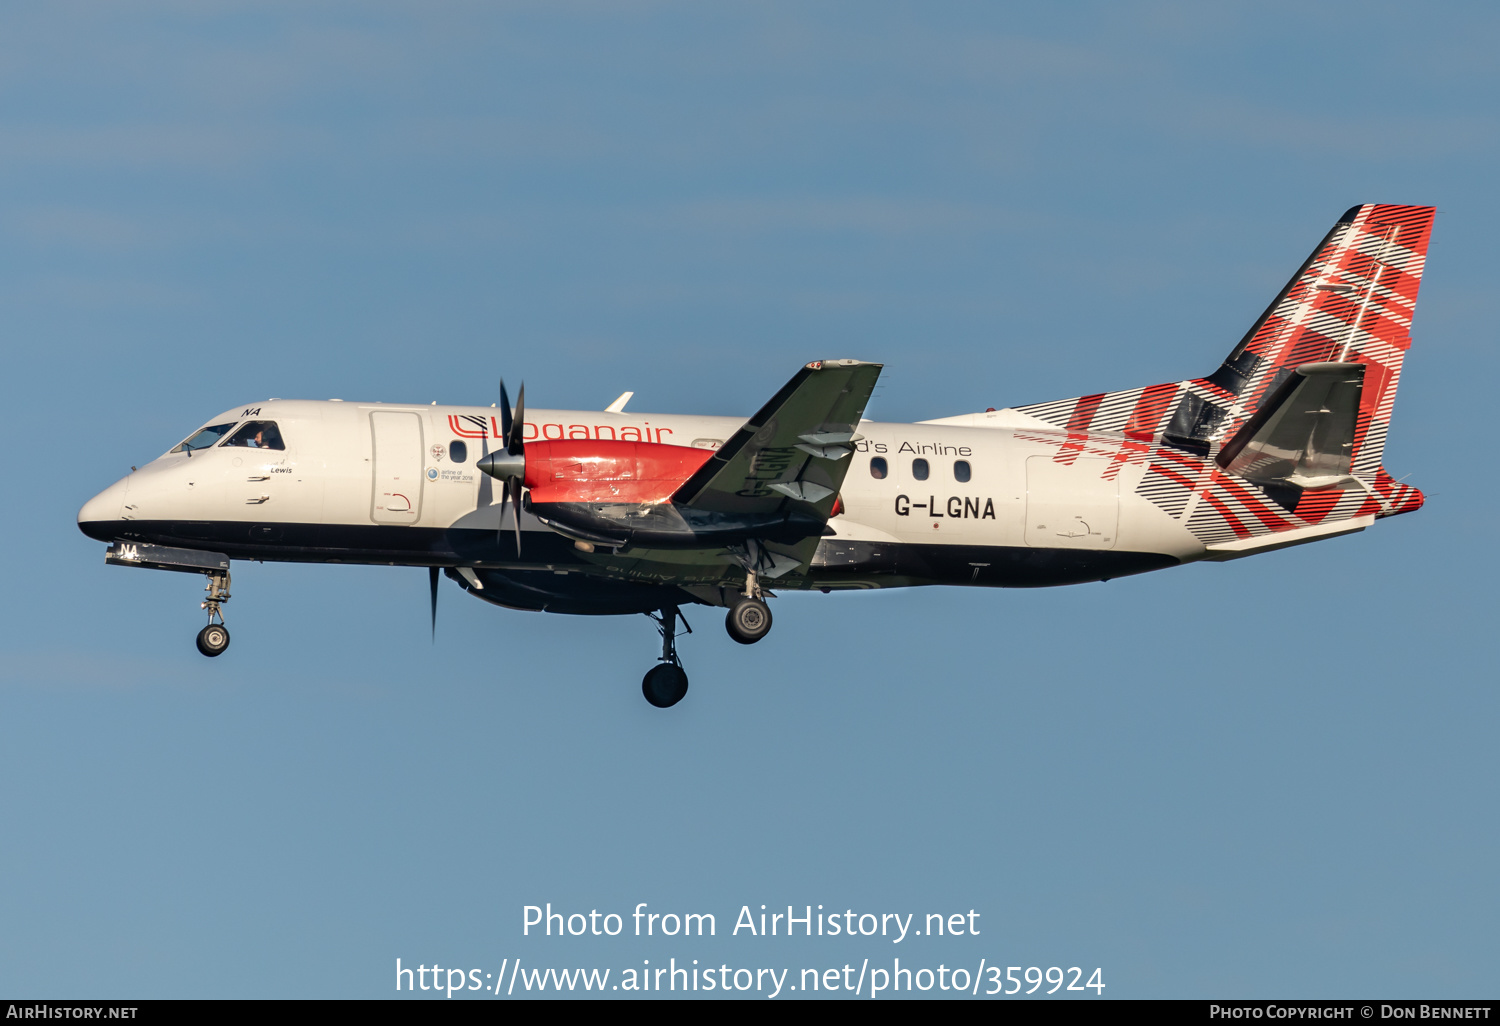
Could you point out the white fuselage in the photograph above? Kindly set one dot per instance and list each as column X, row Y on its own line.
column 345, row 488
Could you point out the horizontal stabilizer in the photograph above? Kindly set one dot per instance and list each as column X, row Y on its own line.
column 1303, row 434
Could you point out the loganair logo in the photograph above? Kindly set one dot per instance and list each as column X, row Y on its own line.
column 469, row 425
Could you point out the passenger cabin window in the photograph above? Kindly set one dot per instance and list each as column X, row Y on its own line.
column 878, row 468
column 919, row 469
column 458, row 451
column 961, row 470
column 204, row 438
column 257, row 434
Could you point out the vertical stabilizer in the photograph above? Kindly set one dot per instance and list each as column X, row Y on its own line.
column 1351, row 302
column 1343, row 322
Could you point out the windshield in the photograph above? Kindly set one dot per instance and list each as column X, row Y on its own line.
column 204, row 438
column 257, row 434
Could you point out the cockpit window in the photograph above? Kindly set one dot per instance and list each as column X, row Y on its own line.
column 203, row 439
column 257, row 434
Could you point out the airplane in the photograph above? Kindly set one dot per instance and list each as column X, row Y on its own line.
column 617, row 512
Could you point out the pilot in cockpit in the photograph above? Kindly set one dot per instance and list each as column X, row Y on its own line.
column 257, row 434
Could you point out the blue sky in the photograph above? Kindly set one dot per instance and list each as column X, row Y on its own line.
column 1273, row 777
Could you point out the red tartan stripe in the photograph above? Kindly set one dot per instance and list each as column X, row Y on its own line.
column 1378, row 378
column 1191, row 463
column 1238, row 528
column 1412, row 501
column 1149, row 410
column 1084, row 412
column 1171, row 475
column 1252, row 503
column 1314, row 506
column 1128, row 452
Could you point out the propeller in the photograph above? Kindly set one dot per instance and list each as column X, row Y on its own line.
column 432, row 579
column 508, row 464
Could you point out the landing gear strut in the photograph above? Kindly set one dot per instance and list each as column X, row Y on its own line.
column 749, row 617
column 666, row 683
column 214, row 639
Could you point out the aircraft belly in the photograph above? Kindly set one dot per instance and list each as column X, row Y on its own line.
column 551, row 591
column 850, row 563
column 347, row 543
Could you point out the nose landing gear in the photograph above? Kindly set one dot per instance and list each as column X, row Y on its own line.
column 214, row 639
column 666, row 683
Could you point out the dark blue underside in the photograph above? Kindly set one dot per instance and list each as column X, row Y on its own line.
column 837, row 564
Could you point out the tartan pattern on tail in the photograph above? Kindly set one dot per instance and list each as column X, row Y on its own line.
column 1352, row 301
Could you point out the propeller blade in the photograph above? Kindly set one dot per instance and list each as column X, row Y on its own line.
column 513, row 443
column 432, row 579
column 516, row 485
column 512, row 432
column 504, row 413
column 504, row 501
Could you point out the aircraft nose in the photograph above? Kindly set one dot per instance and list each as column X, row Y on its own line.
column 100, row 516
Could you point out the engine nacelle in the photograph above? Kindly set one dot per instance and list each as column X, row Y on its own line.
column 589, row 470
column 620, row 493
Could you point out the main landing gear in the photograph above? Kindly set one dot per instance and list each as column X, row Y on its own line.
column 214, row 639
column 749, row 619
column 666, row 683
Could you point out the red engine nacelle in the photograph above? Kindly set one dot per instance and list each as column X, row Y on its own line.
column 590, row 470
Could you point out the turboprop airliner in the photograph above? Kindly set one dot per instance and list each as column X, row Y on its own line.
column 613, row 512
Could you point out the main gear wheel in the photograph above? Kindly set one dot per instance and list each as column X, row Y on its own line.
column 748, row 621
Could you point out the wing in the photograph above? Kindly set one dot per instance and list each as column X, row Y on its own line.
column 794, row 451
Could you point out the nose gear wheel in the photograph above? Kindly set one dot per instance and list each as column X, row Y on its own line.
column 664, row 685
column 213, row 639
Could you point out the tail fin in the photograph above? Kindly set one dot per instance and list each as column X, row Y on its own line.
column 1351, row 302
